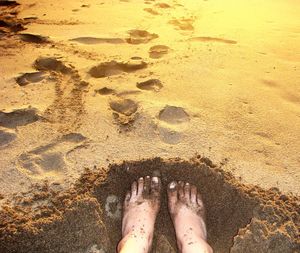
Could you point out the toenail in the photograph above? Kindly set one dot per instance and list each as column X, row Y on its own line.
column 147, row 177
column 187, row 184
column 172, row 185
column 140, row 178
column 155, row 180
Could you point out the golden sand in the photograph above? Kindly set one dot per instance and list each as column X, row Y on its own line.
column 85, row 84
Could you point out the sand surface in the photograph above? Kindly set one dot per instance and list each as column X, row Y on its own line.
column 86, row 84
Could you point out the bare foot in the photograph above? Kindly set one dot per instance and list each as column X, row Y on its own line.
column 188, row 216
column 141, row 206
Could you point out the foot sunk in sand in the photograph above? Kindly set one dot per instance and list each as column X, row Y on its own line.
column 188, row 215
column 141, row 206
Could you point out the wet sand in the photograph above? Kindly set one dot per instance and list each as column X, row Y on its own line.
column 92, row 84
column 87, row 217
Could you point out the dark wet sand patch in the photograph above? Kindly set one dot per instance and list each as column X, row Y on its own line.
column 28, row 78
column 111, row 68
column 239, row 217
column 18, row 117
column 93, row 40
column 213, row 39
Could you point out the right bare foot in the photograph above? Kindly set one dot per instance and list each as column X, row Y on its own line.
column 188, row 215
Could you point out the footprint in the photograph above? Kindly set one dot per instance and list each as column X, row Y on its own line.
column 163, row 5
column 140, row 36
column 213, row 39
column 126, row 107
column 11, row 25
column 2, row 34
column 113, row 207
column 285, row 94
column 93, row 40
column 128, row 92
column 151, row 84
column 105, row 91
column 19, row 117
column 151, row 11
column 49, row 160
column 115, row 68
column 158, row 51
column 52, row 64
column 291, row 97
column 42, row 164
column 73, row 137
column 32, row 38
column 169, row 136
column 270, row 83
column 173, row 115
column 8, row 3
column 6, row 138
column 183, row 24
column 28, row 78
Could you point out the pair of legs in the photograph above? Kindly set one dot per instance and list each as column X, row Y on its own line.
column 141, row 206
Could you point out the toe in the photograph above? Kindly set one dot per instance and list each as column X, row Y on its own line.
column 180, row 190
column 134, row 189
column 140, row 186
column 147, row 185
column 155, row 186
column 193, row 194
column 172, row 194
column 127, row 197
column 200, row 201
column 187, row 192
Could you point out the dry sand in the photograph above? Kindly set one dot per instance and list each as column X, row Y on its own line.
column 89, row 84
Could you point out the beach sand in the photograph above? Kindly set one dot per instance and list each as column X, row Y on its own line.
column 94, row 94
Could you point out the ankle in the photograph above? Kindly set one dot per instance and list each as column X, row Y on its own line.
column 134, row 243
column 195, row 246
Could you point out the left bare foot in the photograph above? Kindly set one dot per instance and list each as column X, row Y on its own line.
column 141, row 206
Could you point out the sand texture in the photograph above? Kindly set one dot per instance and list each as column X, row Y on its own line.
column 240, row 218
column 92, row 91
